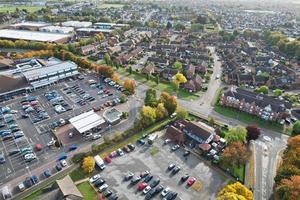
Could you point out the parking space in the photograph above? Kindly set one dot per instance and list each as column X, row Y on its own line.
column 156, row 159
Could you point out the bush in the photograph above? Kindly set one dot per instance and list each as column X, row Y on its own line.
column 96, row 149
column 118, row 137
column 78, row 158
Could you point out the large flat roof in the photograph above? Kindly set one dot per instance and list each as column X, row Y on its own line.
column 33, row 24
column 86, row 121
column 48, row 70
column 32, row 35
column 94, row 30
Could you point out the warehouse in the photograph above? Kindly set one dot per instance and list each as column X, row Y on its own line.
column 34, row 36
column 30, row 26
column 92, row 31
column 32, row 74
column 57, row 29
column 86, row 121
column 77, row 24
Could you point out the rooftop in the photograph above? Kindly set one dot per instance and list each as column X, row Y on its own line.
column 32, row 35
column 86, row 121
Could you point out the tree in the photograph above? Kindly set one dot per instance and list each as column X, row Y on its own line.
column 263, row 89
column 129, row 85
column 277, row 92
column 230, row 157
column 107, row 59
column 170, row 102
column 178, row 65
column 296, row 128
column 179, row 27
column 169, row 25
column 235, row 191
column 88, row 164
column 161, row 111
column 289, row 189
column 211, row 121
column 237, row 133
column 175, row 85
column 105, row 71
column 116, row 78
column 253, row 132
column 157, row 79
column 147, row 116
column 130, row 69
column 181, row 113
column 180, row 78
column 151, row 99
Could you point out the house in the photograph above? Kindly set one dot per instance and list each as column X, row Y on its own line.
column 88, row 49
column 263, row 106
column 115, row 49
column 168, row 73
column 189, row 71
column 5, row 63
column 149, row 69
column 159, row 62
column 193, row 85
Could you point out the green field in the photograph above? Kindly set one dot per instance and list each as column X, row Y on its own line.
column 87, row 191
column 13, row 8
column 110, row 5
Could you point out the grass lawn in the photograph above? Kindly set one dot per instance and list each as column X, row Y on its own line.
column 77, row 174
column 110, row 5
column 165, row 87
column 13, row 8
column 239, row 172
column 87, row 191
column 135, row 137
column 247, row 118
column 34, row 195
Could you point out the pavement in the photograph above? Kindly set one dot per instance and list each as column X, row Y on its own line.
column 141, row 160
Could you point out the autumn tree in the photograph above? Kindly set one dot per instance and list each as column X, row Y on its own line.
column 237, row 133
column 107, row 59
column 161, row 111
column 129, row 85
column 289, row 189
column 105, row 71
column 170, row 102
column 230, row 157
column 181, row 113
column 147, row 116
column 180, row 78
column 253, row 132
column 88, row 164
column 151, row 99
column 235, row 191
column 116, row 78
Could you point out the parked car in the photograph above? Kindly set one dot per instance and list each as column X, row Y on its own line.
column 170, row 196
column 120, row 152
column 146, row 190
column 13, row 151
column 184, row 178
column 96, row 136
column 94, row 178
column 155, row 182
column 135, row 180
column 191, row 181
column 47, row 173
column 34, row 179
column 171, row 166
column 2, row 158
column 131, row 147
column 28, row 183
column 148, row 178
column 58, row 167
column 165, row 191
column 175, row 147
column 128, row 176
column 144, row 174
column 113, row 197
column 103, row 188
column 142, row 186
column 186, row 153
column 176, row 170
column 99, row 182
column 29, row 157
column 63, row 163
column 107, row 193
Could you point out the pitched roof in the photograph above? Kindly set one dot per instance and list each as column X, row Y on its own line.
column 9, row 83
column 68, row 187
column 260, row 100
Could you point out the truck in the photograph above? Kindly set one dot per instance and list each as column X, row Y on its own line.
column 99, row 161
column 151, row 138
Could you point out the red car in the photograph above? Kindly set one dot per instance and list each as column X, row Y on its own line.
column 191, row 181
column 142, row 186
column 107, row 159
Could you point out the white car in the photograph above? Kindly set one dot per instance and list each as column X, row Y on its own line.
column 94, row 178
column 165, row 191
column 100, row 91
column 96, row 136
column 147, row 189
column 103, row 188
column 30, row 156
column 51, row 143
column 120, row 152
column 63, row 163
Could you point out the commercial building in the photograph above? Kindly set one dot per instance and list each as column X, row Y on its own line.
column 112, row 116
column 57, row 29
column 31, row 26
column 77, row 24
column 31, row 74
column 92, row 31
column 34, row 36
column 86, row 121
column 104, row 25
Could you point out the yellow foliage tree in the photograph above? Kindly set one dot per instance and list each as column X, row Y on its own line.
column 235, row 191
column 116, row 78
column 180, row 78
column 129, row 85
column 88, row 164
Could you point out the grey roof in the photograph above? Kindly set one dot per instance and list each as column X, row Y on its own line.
column 68, row 188
column 48, row 70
